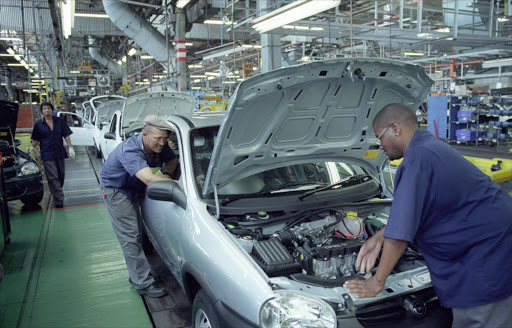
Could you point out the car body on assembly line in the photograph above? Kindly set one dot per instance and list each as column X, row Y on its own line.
column 23, row 179
column 276, row 198
column 90, row 124
column 129, row 121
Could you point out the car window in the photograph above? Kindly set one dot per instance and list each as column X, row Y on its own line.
column 289, row 178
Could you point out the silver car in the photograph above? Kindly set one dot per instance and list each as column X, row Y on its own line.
column 276, row 197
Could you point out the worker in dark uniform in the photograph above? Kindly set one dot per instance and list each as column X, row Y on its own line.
column 460, row 218
column 48, row 133
column 124, row 177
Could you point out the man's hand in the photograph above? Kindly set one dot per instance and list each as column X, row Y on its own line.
column 369, row 252
column 71, row 152
column 364, row 288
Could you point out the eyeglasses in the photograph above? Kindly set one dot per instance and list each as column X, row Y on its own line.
column 160, row 139
column 382, row 133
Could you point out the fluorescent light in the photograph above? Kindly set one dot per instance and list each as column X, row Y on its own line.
column 7, row 55
column 9, row 38
column 196, row 81
column 292, row 12
column 295, row 27
column 212, row 73
column 217, row 22
column 503, row 19
column 195, row 66
column 74, row 72
column 195, row 88
column 414, row 53
column 146, row 57
column 425, row 35
column 93, row 15
column 228, row 50
column 67, row 9
column 9, row 50
column 497, row 62
column 132, row 52
column 182, row 3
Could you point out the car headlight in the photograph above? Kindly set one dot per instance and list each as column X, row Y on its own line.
column 292, row 309
column 29, row 168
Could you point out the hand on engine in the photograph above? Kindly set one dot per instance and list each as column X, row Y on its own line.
column 364, row 288
column 369, row 252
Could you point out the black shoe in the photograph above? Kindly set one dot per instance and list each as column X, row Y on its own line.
column 152, row 291
column 59, row 205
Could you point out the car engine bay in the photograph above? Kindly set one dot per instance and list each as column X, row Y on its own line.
column 316, row 247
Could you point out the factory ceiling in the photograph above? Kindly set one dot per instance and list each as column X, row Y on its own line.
column 426, row 32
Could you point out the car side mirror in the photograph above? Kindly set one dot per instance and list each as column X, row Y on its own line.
column 167, row 190
column 110, row 135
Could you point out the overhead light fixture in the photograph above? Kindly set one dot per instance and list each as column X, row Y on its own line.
column 132, row 52
column 501, row 20
column 212, row 73
column 292, row 12
column 195, row 88
column 74, row 72
column 195, row 66
column 7, row 55
column 217, row 22
column 67, row 12
column 418, row 54
column 146, row 57
column 92, row 15
column 182, row 3
column 497, row 62
column 9, row 38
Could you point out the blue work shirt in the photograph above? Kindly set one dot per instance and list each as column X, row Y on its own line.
column 461, row 219
column 50, row 141
column 128, row 158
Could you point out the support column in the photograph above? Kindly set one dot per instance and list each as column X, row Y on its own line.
column 181, row 51
column 270, row 45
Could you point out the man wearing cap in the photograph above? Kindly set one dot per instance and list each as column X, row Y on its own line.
column 124, row 177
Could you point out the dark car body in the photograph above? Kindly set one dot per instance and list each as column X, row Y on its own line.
column 23, row 179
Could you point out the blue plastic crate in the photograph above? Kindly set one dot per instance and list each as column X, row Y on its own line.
column 465, row 135
column 464, row 116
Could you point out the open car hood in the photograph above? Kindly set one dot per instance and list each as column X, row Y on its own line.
column 319, row 111
column 8, row 120
column 160, row 103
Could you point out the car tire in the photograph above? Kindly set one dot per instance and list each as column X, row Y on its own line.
column 203, row 313
column 32, row 199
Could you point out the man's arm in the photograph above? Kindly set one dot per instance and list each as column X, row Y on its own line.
column 391, row 252
column 146, row 175
column 68, row 141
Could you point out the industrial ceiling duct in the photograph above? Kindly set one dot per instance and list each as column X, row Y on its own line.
column 138, row 29
column 96, row 53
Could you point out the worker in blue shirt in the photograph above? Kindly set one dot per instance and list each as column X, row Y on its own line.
column 124, row 177
column 460, row 219
column 48, row 133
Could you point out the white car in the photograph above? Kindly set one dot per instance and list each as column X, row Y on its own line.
column 276, row 198
column 88, row 124
column 130, row 119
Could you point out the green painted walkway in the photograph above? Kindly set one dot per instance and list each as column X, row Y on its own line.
column 65, row 268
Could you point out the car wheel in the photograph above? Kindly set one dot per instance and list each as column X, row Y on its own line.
column 203, row 313
column 32, row 199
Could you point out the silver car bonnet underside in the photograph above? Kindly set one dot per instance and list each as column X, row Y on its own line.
column 320, row 111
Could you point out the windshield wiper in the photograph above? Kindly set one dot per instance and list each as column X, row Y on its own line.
column 269, row 192
column 351, row 181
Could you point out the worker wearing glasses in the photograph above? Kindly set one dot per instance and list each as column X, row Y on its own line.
column 460, row 219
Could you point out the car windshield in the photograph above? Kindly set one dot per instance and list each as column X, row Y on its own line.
column 296, row 178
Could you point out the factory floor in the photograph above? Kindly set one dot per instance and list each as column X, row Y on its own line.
column 64, row 267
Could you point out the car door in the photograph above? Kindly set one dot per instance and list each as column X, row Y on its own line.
column 108, row 145
column 83, row 130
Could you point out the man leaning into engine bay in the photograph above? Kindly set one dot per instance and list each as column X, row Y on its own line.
column 460, row 219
